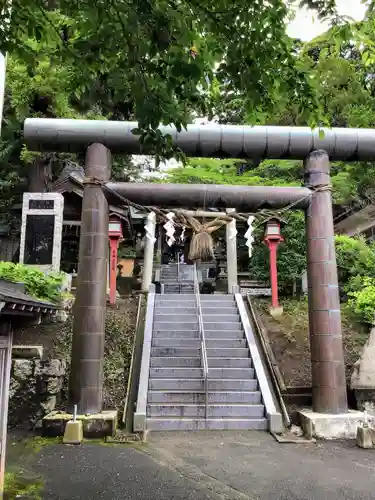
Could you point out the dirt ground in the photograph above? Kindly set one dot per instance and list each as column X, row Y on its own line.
column 290, row 341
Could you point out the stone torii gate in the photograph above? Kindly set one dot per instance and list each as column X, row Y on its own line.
column 100, row 138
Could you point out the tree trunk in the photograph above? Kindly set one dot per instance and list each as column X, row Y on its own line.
column 40, row 176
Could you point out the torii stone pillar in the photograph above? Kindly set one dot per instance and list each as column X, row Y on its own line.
column 231, row 243
column 148, row 259
column 327, row 353
column 86, row 372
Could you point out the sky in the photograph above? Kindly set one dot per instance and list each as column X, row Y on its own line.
column 305, row 28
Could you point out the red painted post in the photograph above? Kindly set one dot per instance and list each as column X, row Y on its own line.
column 272, row 238
column 113, row 243
column 115, row 235
column 272, row 245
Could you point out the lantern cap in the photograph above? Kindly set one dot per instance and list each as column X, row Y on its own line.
column 115, row 226
column 276, row 218
column 272, row 228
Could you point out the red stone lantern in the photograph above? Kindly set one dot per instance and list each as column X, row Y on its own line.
column 115, row 236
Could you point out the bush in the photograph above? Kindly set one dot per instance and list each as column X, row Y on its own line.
column 38, row 284
column 362, row 300
column 355, row 257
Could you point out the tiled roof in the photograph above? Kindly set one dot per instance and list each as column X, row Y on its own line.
column 12, row 292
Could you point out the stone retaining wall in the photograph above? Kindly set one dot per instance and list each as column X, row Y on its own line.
column 36, row 388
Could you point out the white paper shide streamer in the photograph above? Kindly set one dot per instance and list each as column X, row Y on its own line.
column 249, row 235
column 170, row 229
column 149, row 228
column 182, row 235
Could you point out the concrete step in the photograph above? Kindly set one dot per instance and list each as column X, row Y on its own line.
column 174, row 283
column 183, row 308
column 182, row 289
column 218, row 424
column 167, row 309
column 222, row 310
column 222, row 318
column 222, row 325
column 173, row 280
column 188, row 324
column 186, row 300
column 198, row 411
column 177, row 334
column 219, row 298
column 250, row 397
column 229, row 362
column 216, row 373
column 191, row 342
column 178, row 297
column 175, row 316
column 196, row 362
column 160, row 317
column 228, row 352
column 177, row 361
column 233, row 385
column 223, row 334
column 184, row 352
column 191, row 352
column 178, row 305
column 191, row 323
column 218, row 305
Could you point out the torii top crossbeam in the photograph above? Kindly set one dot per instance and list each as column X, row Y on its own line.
column 49, row 134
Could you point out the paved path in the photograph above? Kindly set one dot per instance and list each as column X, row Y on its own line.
column 253, row 466
column 208, row 466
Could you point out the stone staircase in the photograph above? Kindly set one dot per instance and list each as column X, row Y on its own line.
column 176, row 387
column 177, row 278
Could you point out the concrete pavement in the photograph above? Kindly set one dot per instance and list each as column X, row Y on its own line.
column 207, row 466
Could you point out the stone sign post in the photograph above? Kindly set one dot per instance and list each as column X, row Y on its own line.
column 41, row 230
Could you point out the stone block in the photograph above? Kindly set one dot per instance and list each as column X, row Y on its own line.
column 363, row 376
column 365, row 400
column 27, row 351
column 49, row 404
column 50, row 368
column 94, row 426
column 23, row 368
column 54, row 385
column 325, row 426
column 365, row 437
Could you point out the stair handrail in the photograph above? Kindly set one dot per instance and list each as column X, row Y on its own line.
column 270, row 364
column 202, row 337
column 178, row 272
column 140, row 415
column 275, row 420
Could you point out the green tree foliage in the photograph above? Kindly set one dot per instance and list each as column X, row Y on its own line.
column 235, row 172
column 154, row 61
column 355, row 257
column 291, row 253
column 159, row 57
